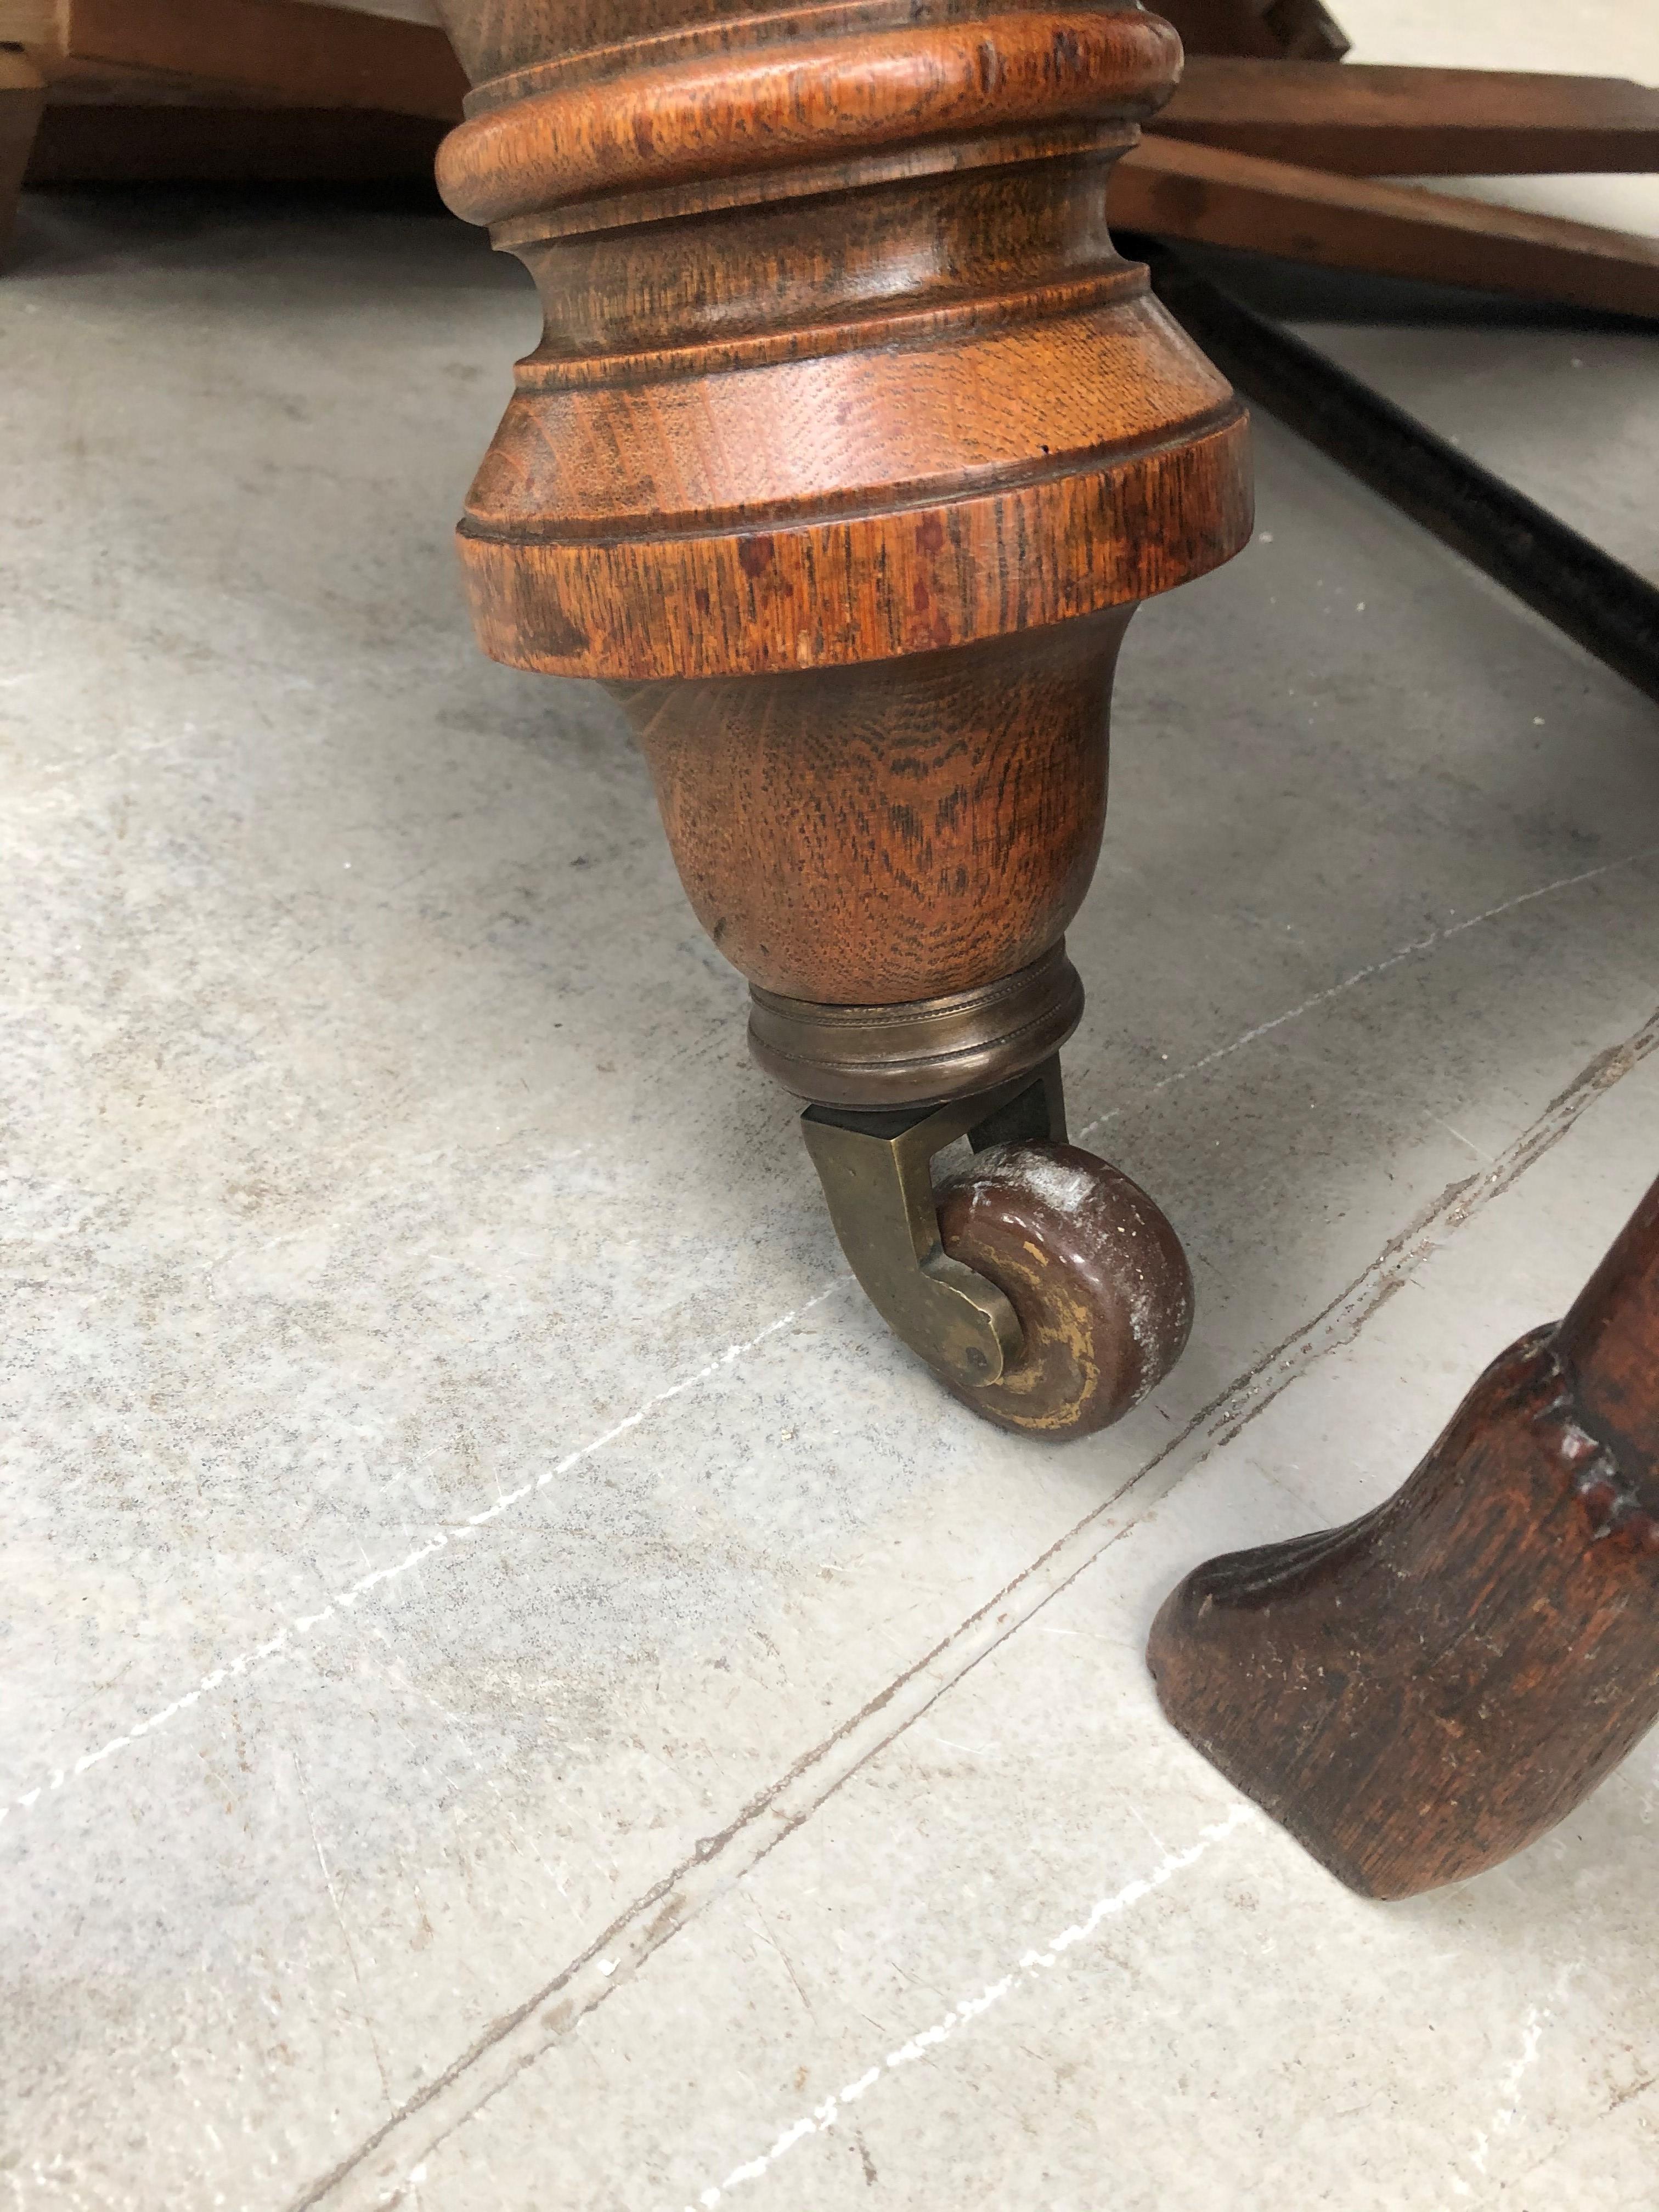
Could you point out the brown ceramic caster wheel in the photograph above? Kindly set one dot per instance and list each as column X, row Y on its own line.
column 1095, row 1273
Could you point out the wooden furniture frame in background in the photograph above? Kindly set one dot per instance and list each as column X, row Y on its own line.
column 22, row 99
column 283, row 53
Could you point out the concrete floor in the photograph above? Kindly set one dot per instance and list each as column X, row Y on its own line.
column 517, row 1692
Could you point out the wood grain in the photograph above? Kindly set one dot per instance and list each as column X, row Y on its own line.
column 1370, row 120
column 497, row 38
column 788, row 590
column 942, row 409
column 1207, row 193
column 1424, row 1692
column 802, row 101
column 872, row 834
column 849, row 444
column 1093, row 1269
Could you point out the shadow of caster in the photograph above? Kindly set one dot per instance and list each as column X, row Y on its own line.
column 1424, row 1692
column 850, row 445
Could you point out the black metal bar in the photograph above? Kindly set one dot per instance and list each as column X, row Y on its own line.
column 1608, row 608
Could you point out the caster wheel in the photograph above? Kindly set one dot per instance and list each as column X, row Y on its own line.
column 1095, row 1273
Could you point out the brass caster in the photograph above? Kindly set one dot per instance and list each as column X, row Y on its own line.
column 1043, row 1288
column 1093, row 1268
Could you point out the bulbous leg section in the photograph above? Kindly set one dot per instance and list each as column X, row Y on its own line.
column 1094, row 1272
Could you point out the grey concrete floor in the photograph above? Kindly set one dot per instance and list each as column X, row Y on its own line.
column 516, row 1691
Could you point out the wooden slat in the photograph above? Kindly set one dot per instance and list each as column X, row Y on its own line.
column 1222, row 199
column 1369, row 121
column 305, row 56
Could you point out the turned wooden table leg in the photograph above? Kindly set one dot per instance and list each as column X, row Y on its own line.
column 849, row 448
column 1421, row 1693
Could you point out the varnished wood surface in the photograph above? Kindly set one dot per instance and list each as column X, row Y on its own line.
column 877, row 834
column 796, row 591
column 1424, row 1692
column 1610, row 1343
column 1208, row 193
column 1367, row 119
column 839, row 362
column 496, row 38
column 850, row 442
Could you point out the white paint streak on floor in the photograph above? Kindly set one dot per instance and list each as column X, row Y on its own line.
column 343, row 1602
column 966, row 2010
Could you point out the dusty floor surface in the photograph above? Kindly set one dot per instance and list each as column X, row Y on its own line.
column 516, row 1691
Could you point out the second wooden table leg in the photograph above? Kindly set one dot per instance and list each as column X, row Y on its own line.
column 1420, row 1694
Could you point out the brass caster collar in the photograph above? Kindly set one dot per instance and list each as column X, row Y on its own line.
column 927, row 1050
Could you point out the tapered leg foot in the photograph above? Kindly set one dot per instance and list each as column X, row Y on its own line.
column 1420, row 1694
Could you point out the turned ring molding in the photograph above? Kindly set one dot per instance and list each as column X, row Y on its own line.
column 922, row 1052
column 789, row 103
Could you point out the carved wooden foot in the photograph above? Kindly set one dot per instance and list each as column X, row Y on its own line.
column 1420, row 1694
column 849, row 447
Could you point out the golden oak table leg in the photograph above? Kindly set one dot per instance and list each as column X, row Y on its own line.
column 849, row 448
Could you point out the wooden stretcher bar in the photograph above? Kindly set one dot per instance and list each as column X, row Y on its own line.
column 1218, row 198
column 1367, row 120
column 246, row 48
